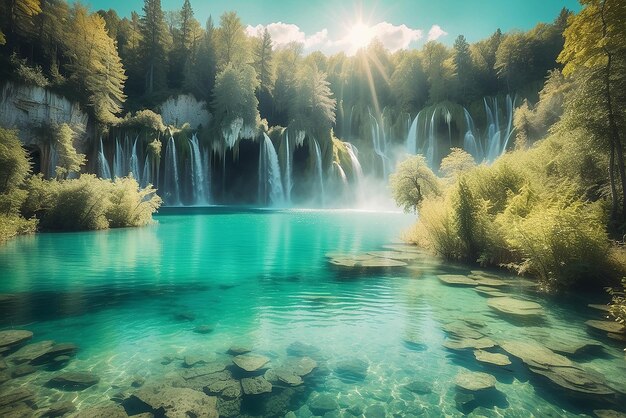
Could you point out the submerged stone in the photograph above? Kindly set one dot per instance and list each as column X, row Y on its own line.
column 250, row 362
column 22, row 370
column 237, row 350
column 228, row 388
column 456, row 280
column 30, row 352
column 57, row 409
column 300, row 349
column 178, row 402
column 420, row 387
column 603, row 308
column 323, row 403
column 14, row 337
column 105, row 410
column 607, row 326
column 395, row 255
column 515, row 307
column 352, row 369
column 203, row 329
column 608, row 413
column 74, row 380
column 491, row 358
column 255, row 385
column 404, row 248
column 468, row 343
column 475, row 381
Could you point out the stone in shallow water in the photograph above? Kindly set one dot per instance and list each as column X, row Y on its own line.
column 105, row 410
column 238, row 350
column 30, row 352
column 456, row 280
column 491, row 358
column 467, row 343
column 364, row 261
column 284, row 375
column 185, row 316
column 300, row 349
column 74, row 380
column 22, row 370
column 255, row 385
column 322, row 403
column 250, row 362
column 481, row 281
column 420, row 387
column 228, row 388
column 207, row 369
column 515, row 307
column 229, row 407
column 203, row 329
column 489, row 291
column 607, row 326
column 57, row 409
column 461, row 330
column 178, row 402
column 352, row 369
column 534, row 354
column 375, row 411
column 603, row 308
column 573, row 347
column 395, row 255
column 475, row 381
column 404, row 248
column 14, row 396
column 14, row 337
column 608, row 413
column 190, row 361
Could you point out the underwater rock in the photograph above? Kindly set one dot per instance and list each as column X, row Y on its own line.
column 491, row 358
column 375, row 411
column 608, row 413
column 4, row 377
column 190, row 361
column 13, row 337
column 178, row 402
column 607, row 326
column 467, row 343
column 205, row 370
column 15, row 396
column 250, row 362
column 237, row 350
column 404, row 248
column 22, row 370
column 395, row 255
column 475, row 381
column 420, row 387
column 302, row 366
column 535, row 354
column 515, row 307
column 283, row 375
column 489, row 291
column 57, row 409
column 603, row 308
column 482, row 281
column 322, row 403
column 203, row 329
column 364, row 261
column 30, row 352
column 573, row 348
column 352, row 369
column 461, row 330
column 229, row 408
column 456, row 280
column 74, row 380
column 255, row 385
column 185, row 316
column 57, row 350
column 227, row 388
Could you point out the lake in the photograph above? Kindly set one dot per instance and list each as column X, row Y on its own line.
column 155, row 305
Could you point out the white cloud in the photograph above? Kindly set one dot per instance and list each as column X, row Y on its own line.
column 393, row 37
column 436, row 32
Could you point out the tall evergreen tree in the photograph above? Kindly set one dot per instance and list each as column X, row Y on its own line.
column 154, row 46
column 264, row 66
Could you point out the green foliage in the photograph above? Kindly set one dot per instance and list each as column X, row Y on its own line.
column 143, row 119
column 154, row 150
column 313, row 109
column 232, row 44
column 69, row 160
column 154, row 45
column 456, row 163
column 28, row 74
column 13, row 225
column 412, row 182
column 14, row 163
column 89, row 203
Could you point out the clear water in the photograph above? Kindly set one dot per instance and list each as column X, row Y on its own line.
column 262, row 280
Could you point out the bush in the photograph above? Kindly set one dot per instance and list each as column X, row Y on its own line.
column 618, row 302
column 13, row 225
column 130, row 205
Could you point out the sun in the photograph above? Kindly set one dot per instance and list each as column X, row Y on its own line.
column 360, row 35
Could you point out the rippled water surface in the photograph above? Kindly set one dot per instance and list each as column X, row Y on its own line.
column 261, row 279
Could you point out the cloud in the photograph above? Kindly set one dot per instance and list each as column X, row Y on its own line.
column 393, row 37
column 436, row 32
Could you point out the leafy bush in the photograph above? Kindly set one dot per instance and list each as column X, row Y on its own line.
column 14, row 225
column 618, row 302
column 14, row 163
column 131, row 205
column 27, row 74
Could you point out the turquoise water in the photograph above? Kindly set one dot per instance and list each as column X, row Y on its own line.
column 128, row 298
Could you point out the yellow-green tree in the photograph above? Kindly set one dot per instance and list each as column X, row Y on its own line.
column 595, row 54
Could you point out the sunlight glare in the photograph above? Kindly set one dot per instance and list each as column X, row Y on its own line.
column 360, row 35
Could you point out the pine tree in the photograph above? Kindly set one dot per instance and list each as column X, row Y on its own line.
column 154, row 46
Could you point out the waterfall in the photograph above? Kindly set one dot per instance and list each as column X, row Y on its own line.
column 288, row 169
column 118, row 160
column 469, row 140
column 231, row 133
column 318, row 165
column 206, row 166
column 342, row 174
column 104, row 171
column 270, row 184
column 171, row 194
column 376, row 140
column 134, row 163
column 145, row 177
column 197, row 172
column 411, row 138
column 431, row 151
column 357, row 171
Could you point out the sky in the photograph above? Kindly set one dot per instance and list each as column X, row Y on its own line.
column 345, row 25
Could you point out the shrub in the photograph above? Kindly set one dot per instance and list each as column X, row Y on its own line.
column 618, row 302
column 13, row 225
column 130, row 205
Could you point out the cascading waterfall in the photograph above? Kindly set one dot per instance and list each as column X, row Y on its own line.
column 104, row 170
column 288, row 169
column 357, row 170
column 270, row 183
column 342, row 174
column 411, row 138
column 145, row 177
column 118, row 160
column 470, row 144
column 376, row 142
column 171, row 193
column 198, row 180
column 206, row 166
column 318, row 165
column 134, row 163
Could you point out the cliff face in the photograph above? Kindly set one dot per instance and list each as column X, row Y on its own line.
column 30, row 108
column 185, row 108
